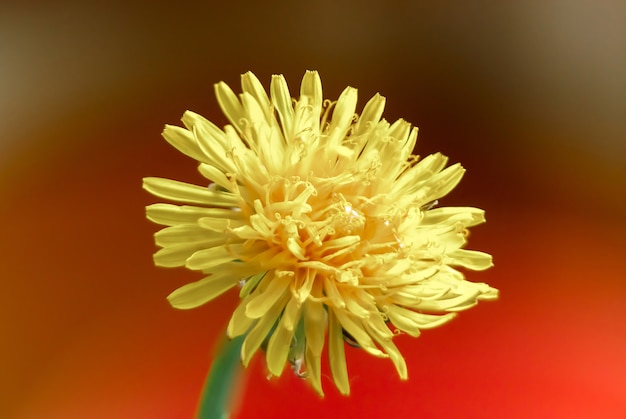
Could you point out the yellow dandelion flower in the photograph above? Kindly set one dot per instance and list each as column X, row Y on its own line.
column 325, row 220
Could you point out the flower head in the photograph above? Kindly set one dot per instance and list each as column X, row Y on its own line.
column 325, row 220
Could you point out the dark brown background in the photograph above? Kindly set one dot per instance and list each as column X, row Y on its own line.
column 529, row 96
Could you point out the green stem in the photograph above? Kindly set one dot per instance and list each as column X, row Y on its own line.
column 221, row 383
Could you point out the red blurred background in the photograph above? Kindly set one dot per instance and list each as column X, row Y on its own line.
column 529, row 96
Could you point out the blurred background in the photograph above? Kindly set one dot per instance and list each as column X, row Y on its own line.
column 529, row 96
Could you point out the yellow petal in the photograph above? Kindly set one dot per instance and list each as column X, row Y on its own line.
column 208, row 258
column 356, row 309
column 172, row 215
column 214, row 142
column 246, row 232
column 372, row 112
column 219, row 225
column 342, row 119
column 187, row 234
column 291, row 315
column 377, row 327
column 251, row 284
column 407, row 148
column 263, row 138
column 282, row 102
column 280, row 341
column 440, row 185
column 190, row 194
column 315, row 326
column 356, row 329
column 303, row 289
column 177, row 254
column 400, row 130
column 250, row 84
column 314, row 370
column 230, row 105
column 333, row 294
column 239, row 323
column 487, row 293
column 396, row 357
column 215, row 175
column 256, row 125
column 200, row 292
column 311, row 87
column 259, row 332
column 411, row 322
column 413, row 179
column 191, row 118
column 457, row 303
column 184, row 141
column 336, row 355
column 470, row 259
column 263, row 300
column 467, row 215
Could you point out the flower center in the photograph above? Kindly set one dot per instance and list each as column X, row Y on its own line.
column 347, row 220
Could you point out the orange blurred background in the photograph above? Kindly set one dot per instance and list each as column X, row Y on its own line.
column 529, row 96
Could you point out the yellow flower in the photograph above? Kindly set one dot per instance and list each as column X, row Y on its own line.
column 326, row 221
